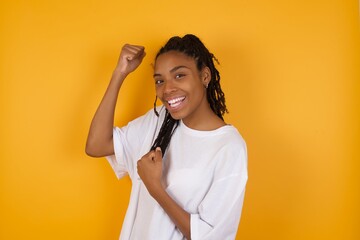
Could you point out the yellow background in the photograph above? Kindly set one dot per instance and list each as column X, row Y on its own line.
column 290, row 71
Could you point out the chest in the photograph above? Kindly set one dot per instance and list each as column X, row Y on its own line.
column 188, row 171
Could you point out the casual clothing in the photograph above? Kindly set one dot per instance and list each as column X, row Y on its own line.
column 205, row 172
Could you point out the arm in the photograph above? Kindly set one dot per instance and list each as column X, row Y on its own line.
column 150, row 172
column 179, row 216
column 219, row 212
column 100, row 138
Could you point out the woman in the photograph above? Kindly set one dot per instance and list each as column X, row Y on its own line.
column 188, row 167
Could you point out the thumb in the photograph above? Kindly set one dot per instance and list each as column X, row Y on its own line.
column 158, row 154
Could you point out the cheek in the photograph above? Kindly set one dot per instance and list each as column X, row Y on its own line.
column 158, row 93
column 199, row 89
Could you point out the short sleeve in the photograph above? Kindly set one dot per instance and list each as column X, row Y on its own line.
column 117, row 161
column 131, row 142
column 219, row 213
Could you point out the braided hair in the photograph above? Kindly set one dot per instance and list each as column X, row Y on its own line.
column 191, row 46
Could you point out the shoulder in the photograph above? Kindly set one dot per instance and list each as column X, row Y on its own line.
column 231, row 139
column 233, row 151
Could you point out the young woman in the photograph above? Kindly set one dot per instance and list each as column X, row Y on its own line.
column 188, row 167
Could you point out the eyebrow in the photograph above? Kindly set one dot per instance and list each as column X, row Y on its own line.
column 172, row 70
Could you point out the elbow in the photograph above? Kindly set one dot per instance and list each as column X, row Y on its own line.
column 91, row 151
column 97, row 150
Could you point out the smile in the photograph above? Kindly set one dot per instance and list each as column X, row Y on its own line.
column 176, row 102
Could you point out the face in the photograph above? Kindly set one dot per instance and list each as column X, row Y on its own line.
column 181, row 86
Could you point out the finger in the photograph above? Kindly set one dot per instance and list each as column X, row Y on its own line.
column 142, row 55
column 133, row 47
column 152, row 156
column 139, row 53
column 127, row 45
column 139, row 173
column 138, row 167
column 158, row 155
column 136, row 55
column 133, row 51
column 148, row 156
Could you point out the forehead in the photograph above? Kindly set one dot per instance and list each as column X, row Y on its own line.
column 171, row 59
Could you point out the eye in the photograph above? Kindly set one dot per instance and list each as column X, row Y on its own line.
column 179, row 76
column 158, row 81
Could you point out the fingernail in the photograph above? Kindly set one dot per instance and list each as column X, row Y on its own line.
column 158, row 149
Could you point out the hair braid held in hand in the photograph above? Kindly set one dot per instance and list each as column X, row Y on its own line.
column 192, row 47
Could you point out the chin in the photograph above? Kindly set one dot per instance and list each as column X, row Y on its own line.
column 176, row 116
column 178, row 113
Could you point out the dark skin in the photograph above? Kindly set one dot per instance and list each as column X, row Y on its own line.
column 176, row 77
column 150, row 171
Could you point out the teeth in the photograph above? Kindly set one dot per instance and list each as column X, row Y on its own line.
column 176, row 101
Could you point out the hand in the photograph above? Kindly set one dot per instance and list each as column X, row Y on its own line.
column 150, row 171
column 130, row 58
column 149, row 168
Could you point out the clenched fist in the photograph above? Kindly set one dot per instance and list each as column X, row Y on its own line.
column 130, row 58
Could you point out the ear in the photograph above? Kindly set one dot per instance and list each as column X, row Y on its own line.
column 205, row 76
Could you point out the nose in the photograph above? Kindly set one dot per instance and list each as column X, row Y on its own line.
column 169, row 87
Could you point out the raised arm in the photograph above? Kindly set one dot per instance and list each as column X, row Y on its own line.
column 100, row 138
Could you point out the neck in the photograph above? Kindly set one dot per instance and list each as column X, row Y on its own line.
column 205, row 120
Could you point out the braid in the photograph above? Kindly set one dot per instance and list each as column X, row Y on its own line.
column 192, row 47
column 166, row 131
column 215, row 95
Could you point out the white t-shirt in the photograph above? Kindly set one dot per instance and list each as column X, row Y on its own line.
column 205, row 172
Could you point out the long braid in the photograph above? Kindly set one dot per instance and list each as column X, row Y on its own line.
column 166, row 131
column 193, row 47
column 215, row 95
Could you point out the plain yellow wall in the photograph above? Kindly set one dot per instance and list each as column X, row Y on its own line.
column 290, row 71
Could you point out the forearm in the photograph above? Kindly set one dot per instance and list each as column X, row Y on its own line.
column 178, row 215
column 100, row 137
column 149, row 168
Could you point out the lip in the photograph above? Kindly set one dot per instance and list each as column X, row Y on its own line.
column 177, row 105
